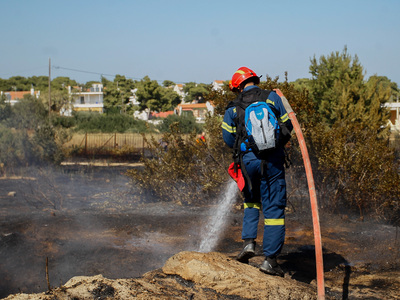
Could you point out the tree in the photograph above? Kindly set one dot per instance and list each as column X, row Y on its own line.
column 27, row 137
column 336, row 84
column 351, row 142
column 195, row 91
column 155, row 97
column 28, row 113
column 117, row 93
column 168, row 83
column 61, row 83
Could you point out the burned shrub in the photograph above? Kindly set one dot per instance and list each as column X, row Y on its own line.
column 183, row 168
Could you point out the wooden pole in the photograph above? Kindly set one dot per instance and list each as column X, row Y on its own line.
column 49, row 85
column 47, row 274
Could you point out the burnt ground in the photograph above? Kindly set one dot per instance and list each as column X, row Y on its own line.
column 91, row 220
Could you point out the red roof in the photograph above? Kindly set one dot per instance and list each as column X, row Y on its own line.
column 19, row 94
column 162, row 114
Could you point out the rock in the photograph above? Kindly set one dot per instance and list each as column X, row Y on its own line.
column 186, row 275
column 230, row 277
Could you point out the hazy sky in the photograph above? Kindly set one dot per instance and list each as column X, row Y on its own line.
column 198, row 41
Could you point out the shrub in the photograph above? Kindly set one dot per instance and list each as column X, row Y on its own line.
column 188, row 171
column 95, row 122
column 186, row 124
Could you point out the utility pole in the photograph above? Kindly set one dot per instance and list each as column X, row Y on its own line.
column 49, row 85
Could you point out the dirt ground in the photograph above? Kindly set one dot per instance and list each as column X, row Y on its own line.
column 92, row 222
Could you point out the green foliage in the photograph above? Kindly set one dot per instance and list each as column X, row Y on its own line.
column 186, row 124
column 117, row 94
column 28, row 113
column 168, row 83
column 62, row 121
column 94, row 122
column 351, row 141
column 39, row 83
column 61, row 83
column 155, row 97
column 26, row 136
column 336, row 85
column 195, row 91
column 16, row 83
column 5, row 109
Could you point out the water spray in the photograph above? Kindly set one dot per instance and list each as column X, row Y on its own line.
column 313, row 196
column 217, row 223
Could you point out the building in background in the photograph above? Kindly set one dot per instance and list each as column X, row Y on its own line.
column 13, row 97
column 199, row 110
column 89, row 100
column 394, row 120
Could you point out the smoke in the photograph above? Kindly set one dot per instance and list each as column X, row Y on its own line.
column 86, row 220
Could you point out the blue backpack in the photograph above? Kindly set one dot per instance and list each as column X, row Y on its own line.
column 262, row 127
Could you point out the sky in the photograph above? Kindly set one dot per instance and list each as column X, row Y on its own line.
column 194, row 41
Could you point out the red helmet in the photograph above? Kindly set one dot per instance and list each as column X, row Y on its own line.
column 242, row 74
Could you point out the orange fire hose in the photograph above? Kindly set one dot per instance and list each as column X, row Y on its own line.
column 313, row 196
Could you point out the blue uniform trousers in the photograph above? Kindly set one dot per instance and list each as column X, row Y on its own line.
column 269, row 194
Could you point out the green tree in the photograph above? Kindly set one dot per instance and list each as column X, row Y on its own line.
column 336, row 84
column 117, row 93
column 155, row 97
column 168, row 83
column 195, row 91
column 351, row 142
column 28, row 113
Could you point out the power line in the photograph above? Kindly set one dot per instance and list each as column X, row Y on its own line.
column 82, row 71
column 104, row 74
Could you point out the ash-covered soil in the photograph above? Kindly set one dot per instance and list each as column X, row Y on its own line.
column 90, row 221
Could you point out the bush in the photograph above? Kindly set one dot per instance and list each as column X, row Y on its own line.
column 27, row 137
column 186, row 124
column 360, row 170
column 95, row 122
column 187, row 170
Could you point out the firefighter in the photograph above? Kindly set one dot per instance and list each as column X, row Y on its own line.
column 265, row 185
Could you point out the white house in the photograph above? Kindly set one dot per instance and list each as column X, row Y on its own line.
column 91, row 100
column 178, row 88
column 217, row 84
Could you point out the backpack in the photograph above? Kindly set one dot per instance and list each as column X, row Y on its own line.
column 258, row 124
column 262, row 127
column 258, row 128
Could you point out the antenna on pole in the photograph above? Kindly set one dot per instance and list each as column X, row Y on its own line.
column 49, row 85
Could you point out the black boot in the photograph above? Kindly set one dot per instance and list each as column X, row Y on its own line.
column 271, row 267
column 247, row 252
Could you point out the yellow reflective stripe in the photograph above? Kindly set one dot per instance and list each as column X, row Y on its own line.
column 271, row 102
column 230, row 129
column 285, row 117
column 252, row 205
column 274, row 221
column 240, row 72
